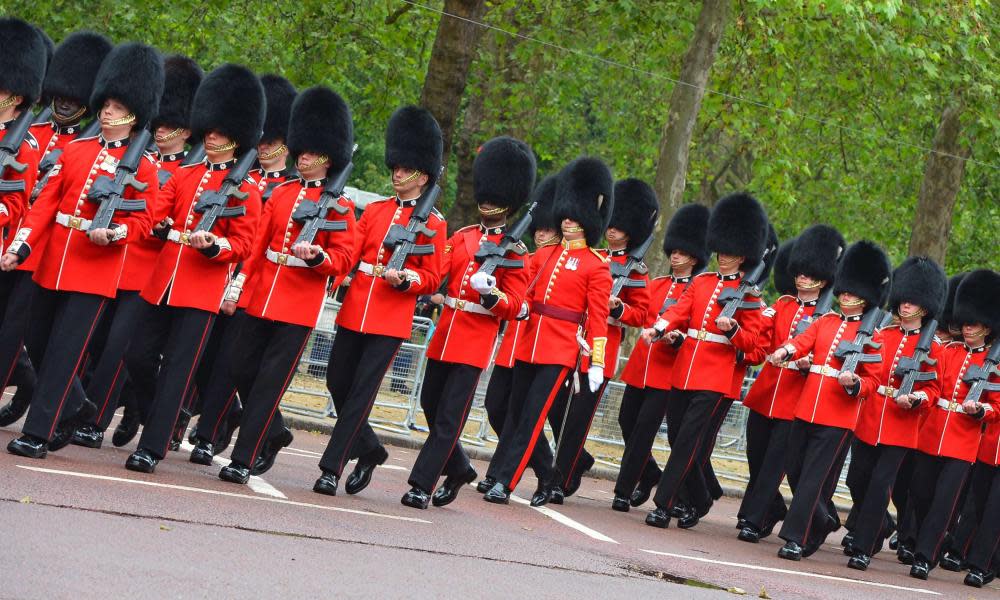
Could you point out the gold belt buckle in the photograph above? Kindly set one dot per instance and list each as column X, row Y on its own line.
column 953, row 406
column 185, row 238
column 377, row 270
column 460, row 304
column 76, row 223
column 702, row 335
column 282, row 259
column 890, row 392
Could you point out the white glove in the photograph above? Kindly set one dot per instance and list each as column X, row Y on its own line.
column 595, row 374
column 483, row 283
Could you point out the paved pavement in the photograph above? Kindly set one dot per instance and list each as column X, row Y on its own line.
column 78, row 525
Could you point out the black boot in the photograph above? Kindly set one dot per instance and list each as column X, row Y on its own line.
column 326, row 484
column 28, row 446
column 448, row 491
column 790, row 551
column 202, row 453
column 498, row 494
column 749, row 533
column 229, row 425
column 975, row 578
column 13, row 411
column 950, row 562
column 127, row 428
column 486, row 484
column 641, row 494
column 416, row 498
column 142, row 461
column 557, row 495
column 542, row 495
column 88, row 436
column 234, row 472
column 859, row 560
column 362, row 474
column 265, row 460
column 658, row 517
column 920, row 569
column 620, row 504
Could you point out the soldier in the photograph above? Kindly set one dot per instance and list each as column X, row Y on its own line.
column 571, row 286
column 890, row 420
column 706, row 362
column 172, row 126
column 475, row 303
column 950, row 435
column 377, row 313
column 648, row 373
column 272, row 152
column 811, row 266
column 80, row 266
column 188, row 281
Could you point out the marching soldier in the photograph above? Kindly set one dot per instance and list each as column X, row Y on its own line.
column 707, row 360
column 950, row 435
column 570, row 289
column 890, row 420
column 80, row 266
column 811, row 266
column 172, row 126
column 377, row 313
column 188, row 281
column 649, row 369
column 272, row 152
column 475, row 303
column 828, row 408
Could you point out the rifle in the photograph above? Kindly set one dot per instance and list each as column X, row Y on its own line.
column 403, row 240
column 9, row 147
column 43, row 115
column 732, row 300
column 196, row 155
column 908, row 368
column 491, row 256
column 313, row 215
column 823, row 306
column 978, row 377
column 110, row 193
column 853, row 353
column 212, row 204
column 620, row 272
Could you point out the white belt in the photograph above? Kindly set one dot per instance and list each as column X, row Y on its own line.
column 370, row 269
column 72, row 222
column 949, row 405
column 286, row 260
column 705, row 336
column 888, row 391
column 179, row 237
column 466, row 306
column 824, row 370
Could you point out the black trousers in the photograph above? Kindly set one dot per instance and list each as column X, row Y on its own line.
column 572, row 456
column 767, row 446
column 870, row 478
column 533, row 392
column 693, row 431
column 935, row 493
column 901, row 500
column 218, row 394
column 269, row 356
column 17, row 291
column 446, row 398
column 814, row 458
column 358, row 363
column 67, row 320
column 182, row 333
column 498, row 397
column 986, row 542
column 712, row 486
column 643, row 410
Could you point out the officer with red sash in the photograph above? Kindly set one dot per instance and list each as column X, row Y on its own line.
column 377, row 313
column 474, row 305
column 890, row 420
column 80, row 266
column 649, row 369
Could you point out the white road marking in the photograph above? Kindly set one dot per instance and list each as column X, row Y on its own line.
column 791, row 572
column 312, row 455
column 303, row 451
column 186, row 488
column 256, row 483
column 563, row 519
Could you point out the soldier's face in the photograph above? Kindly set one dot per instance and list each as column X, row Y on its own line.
column 975, row 333
column 680, row 259
column 5, row 95
column 616, row 237
column 806, row 283
column 113, row 110
column 269, row 147
column 408, row 182
column 849, row 301
column 571, row 230
column 909, row 310
column 65, row 107
column 544, row 235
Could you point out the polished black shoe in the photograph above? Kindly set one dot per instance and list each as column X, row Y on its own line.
column 28, row 446
column 60, row 439
column 658, row 517
column 202, row 453
column 234, row 472
column 486, row 484
column 498, row 494
column 557, row 495
column 88, row 436
column 13, row 411
column 846, row 540
column 950, row 562
column 229, row 426
column 691, row 518
column 361, row 476
column 416, row 498
column 572, row 485
column 678, row 510
column 790, row 551
column 904, row 555
column 542, row 495
column 641, row 494
column 894, row 541
column 620, row 504
column 975, row 578
column 141, row 460
column 265, row 460
column 326, row 484
column 126, row 430
column 920, row 569
column 749, row 534
column 448, row 491
column 859, row 561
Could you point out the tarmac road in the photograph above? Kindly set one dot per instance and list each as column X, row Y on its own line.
column 78, row 525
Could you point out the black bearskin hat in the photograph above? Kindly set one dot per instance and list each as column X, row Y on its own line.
column 585, row 194
column 636, row 210
column 74, row 66
column 413, row 140
column 229, row 100
column 976, row 300
column 816, row 252
column 280, row 94
column 947, row 319
column 864, row 271
column 503, row 173
column 23, row 59
column 544, row 194
column 921, row 281
column 321, row 123
column 686, row 232
column 181, row 77
column 738, row 227
column 132, row 74
column 50, row 46
column 784, row 282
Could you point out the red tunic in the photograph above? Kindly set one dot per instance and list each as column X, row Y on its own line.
column 267, row 181
column 824, row 401
column 652, row 365
column 70, row 261
column 776, row 390
column 635, row 301
column 467, row 337
column 50, row 140
column 183, row 276
column 14, row 205
column 989, row 447
column 947, row 431
column 882, row 421
column 371, row 304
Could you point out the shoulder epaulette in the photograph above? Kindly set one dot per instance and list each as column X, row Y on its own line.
column 466, row 228
column 437, row 214
column 32, row 141
column 786, row 298
column 148, row 156
column 600, row 255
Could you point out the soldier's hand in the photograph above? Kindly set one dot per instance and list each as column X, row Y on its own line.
column 778, row 357
column 904, row 401
column 228, row 307
column 306, row 251
column 673, row 336
column 971, row 407
column 101, row 237
column 8, row 262
column 725, row 324
column 393, row 277
column 164, row 224
column 614, row 302
column 595, row 377
column 848, row 379
column 649, row 335
column 803, row 363
column 202, row 239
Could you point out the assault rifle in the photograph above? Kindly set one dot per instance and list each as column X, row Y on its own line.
column 978, row 377
column 852, row 353
column 110, row 193
column 823, row 305
column 403, row 240
column 620, row 272
column 195, row 156
column 491, row 256
column 732, row 299
column 312, row 214
column 213, row 204
column 10, row 145
column 908, row 368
